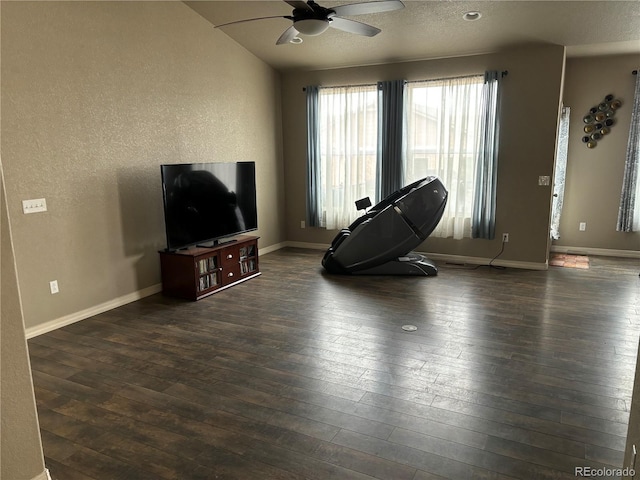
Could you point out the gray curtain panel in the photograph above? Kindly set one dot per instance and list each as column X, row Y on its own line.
column 628, row 201
column 391, row 134
column 483, row 221
column 314, row 216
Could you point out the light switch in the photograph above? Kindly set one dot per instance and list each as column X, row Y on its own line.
column 34, row 206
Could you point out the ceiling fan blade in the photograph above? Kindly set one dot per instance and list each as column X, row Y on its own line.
column 299, row 4
column 352, row 26
column 251, row 20
column 368, row 7
column 288, row 35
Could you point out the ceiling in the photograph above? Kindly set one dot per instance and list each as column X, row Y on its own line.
column 427, row 29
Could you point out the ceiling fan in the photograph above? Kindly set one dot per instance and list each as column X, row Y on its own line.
column 309, row 18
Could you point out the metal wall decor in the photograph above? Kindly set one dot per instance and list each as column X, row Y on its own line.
column 599, row 120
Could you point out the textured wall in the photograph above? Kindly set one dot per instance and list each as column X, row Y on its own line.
column 594, row 176
column 20, row 448
column 95, row 96
column 531, row 99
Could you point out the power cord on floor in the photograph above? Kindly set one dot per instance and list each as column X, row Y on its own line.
column 498, row 267
column 490, row 264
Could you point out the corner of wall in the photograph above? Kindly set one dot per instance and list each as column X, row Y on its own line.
column 20, row 444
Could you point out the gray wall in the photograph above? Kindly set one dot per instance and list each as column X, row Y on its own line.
column 594, row 176
column 20, row 447
column 530, row 109
column 95, row 96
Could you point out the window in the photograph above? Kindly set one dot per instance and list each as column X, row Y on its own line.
column 347, row 140
column 443, row 139
column 451, row 132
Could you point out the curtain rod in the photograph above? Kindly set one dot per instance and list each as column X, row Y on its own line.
column 504, row 73
column 445, row 78
column 304, row 89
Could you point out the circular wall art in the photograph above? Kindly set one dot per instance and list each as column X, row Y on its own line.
column 599, row 119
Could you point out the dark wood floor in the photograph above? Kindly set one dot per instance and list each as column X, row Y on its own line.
column 297, row 374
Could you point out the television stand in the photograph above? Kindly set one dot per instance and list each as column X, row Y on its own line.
column 198, row 272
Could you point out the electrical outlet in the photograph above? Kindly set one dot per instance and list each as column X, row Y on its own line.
column 505, row 238
column 583, row 226
column 302, row 224
column 53, row 286
column 544, row 180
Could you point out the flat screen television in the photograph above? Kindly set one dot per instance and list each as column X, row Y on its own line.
column 207, row 202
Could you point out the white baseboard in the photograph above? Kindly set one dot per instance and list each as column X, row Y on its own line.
column 271, row 248
column 90, row 312
column 312, row 246
column 442, row 257
column 43, row 475
column 132, row 297
column 602, row 252
column 461, row 259
column 118, row 302
column 111, row 304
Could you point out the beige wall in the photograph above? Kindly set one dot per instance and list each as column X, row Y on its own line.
column 594, row 176
column 95, row 96
column 20, row 447
column 531, row 99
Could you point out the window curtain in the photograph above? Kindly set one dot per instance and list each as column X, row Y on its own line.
column 391, row 126
column 348, row 145
column 560, row 172
column 442, row 130
column 629, row 212
column 484, row 208
column 313, row 214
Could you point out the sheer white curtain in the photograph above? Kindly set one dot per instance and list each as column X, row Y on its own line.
column 560, row 172
column 633, row 151
column 636, row 210
column 443, row 132
column 629, row 212
column 348, row 141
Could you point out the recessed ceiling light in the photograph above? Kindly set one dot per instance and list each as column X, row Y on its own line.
column 472, row 16
column 295, row 40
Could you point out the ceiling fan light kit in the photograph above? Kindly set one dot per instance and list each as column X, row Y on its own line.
column 311, row 26
column 312, row 19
